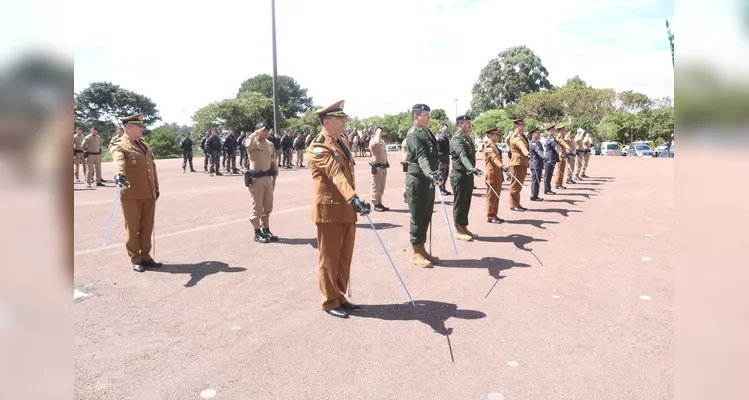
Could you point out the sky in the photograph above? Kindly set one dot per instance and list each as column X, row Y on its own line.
column 380, row 56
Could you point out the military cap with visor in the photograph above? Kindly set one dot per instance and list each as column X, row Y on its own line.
column 420, row 107
column 333, row 110
column 462, row 118
column 136, row 119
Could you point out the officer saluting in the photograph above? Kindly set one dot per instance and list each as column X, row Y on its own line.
column 135, row 173
column 334, row 208
column 259, row 179
column 420, row 180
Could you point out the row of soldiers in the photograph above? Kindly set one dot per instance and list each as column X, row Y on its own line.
column 87, row 154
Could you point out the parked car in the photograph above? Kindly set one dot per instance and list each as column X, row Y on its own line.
column 610, row 149
column 660, row 151
column 625, row 150
column 640, row 150
column 392, row 147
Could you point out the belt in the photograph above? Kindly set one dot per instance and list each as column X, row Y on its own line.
column 259, row 174
column 77, row 151
column 94, row 154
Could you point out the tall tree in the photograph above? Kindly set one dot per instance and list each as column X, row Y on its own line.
column 163, row 142
column 104, row 101
column 515, row 71
column 292, row 98
column 241, row 113
column 576, row 82
column 546, row 106
column 633, row 102
column 492, row 119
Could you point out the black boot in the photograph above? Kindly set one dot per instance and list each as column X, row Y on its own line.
column 268, row 234
column 260, row 238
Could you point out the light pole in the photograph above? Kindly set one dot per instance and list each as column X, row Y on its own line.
column 275, row 72
column 456, row 108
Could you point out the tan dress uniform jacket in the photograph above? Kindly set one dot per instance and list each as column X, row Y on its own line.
column 379, row 156
column 571, row 161
column 92, row 144
column 261, row 154
column 135, row 161
column 332, row 168
column 495, row 177
column 580, row 152
column 588, row 144
column 565, row 149
column 519, row 163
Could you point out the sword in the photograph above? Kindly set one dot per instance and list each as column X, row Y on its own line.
column 111, row 218
column 490, row 186
column 521, row 185
column 448, row 222
column 391, row 259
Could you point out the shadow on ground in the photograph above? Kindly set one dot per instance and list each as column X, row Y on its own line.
column 432, row 313
column 563, row 211
column 197, row 271
column 379, row 226
column 535, row 222
column 299, row 241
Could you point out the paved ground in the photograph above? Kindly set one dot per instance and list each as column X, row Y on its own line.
column 570, row 300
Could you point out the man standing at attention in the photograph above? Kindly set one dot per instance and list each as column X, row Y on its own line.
column 259, row 177
column 443, row 156
column 78, row 154
column 519, row 161
column 463, row 153
column 92, row 145
column 551, row 150
column 135, row 173
column 494, row 169
column 422, row 176
column 380, row 165
column 334, row 208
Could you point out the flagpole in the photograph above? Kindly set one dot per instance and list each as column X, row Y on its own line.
column 671, row 41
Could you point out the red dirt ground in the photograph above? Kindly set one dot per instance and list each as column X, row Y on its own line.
column 545, row 306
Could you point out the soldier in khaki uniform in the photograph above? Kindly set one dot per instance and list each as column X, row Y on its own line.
column 563, row 156
column 380, row 165
column 519, row 162
column 587, row 145
column 569, row 138
column 580, row 153
column 135, row 172
column 78, row 154
column 259, row 178
column 334, row 208
column 494, row 169
column 92, row 145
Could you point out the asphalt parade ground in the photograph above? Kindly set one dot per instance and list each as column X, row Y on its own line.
column 572, row 299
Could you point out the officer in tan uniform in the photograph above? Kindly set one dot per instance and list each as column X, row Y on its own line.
column 494, row 169
column 519, row 162
column 259, row 179
column 135, row 173
column 580, row 153
column 569, row 138
column 587, row 144
column 92, row 145
column 78, row 154
column 334, row 208
column 380, row 165
column 563, row 156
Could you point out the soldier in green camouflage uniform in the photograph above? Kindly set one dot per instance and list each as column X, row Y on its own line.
column 463, row 154
column 422, row 176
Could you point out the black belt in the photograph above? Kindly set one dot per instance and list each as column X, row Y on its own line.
column 93, row 154
column 77, row 151
column 259, row 174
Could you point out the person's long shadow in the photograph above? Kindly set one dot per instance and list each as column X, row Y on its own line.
column 197, row 271
column 586, row 195
column 392, row 210
column 379, row 226
column 520, row 241
column 535, row 222
column 299, row 241
column 494, row 265
column 432, row 313
column 582, row 188
column 563, row 211
column 568, row 201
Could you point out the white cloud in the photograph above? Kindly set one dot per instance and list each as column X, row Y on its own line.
column 381, row 57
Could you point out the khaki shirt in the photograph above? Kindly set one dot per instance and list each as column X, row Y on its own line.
column 77, row 141
column 587, row 142
column 493, row 161
column 92, row 143
column 379, row 152
column 564, row 147
column 579, row 142
column 332, row 168
column 519, row 150
column 570, row 142
column 138, row 167
column 260, row 152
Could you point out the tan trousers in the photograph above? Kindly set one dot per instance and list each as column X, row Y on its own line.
column 570, row 168
column 94, row 162
column 336, row 245
column 559, row 177
column 262, row 201
column 586, row 158
column 300, row 157
column 378, row 185
column 139, row 220
column 520, row 173
column 78, row 162
column 492, row 201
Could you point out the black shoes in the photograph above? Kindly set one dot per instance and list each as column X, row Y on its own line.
column 496, row 221
column 537, row 199
column 192, row 170
column 560, row 187
column 445, row 192
column 337, row 312
column 380, row 207
column 350, row 306
column 571, row 181
column 151, row 264
column 268, row 234
column 138, row 268
column 519, row 208
column 100, row 184
column 584, row 176
column 549, row 192
column 260, row 237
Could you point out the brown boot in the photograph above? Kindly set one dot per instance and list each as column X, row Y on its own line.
column 428, row 256
column 461, row 234
column 469, row 233
column 418, row 258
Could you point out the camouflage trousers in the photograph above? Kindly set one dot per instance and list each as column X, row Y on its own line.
column 444, row 168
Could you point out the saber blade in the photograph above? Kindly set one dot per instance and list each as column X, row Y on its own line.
column 111, row 218
column 391, row 260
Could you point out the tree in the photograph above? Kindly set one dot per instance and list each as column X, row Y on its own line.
column 491, row 119
column 163, row 142
column 546, row 106
column 576, row 82
column 633, row 102
column 514, row 72
column 102, row 104
column 292, row 99
column 241, row 113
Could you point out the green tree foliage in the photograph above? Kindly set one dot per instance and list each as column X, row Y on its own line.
column 633, row 102
column 164, row 142
column 102, row 104
column 576, row 82
column 241, row 113
column 515, row 71
column 625, row 127
column 491, row 119
column 292, row 98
